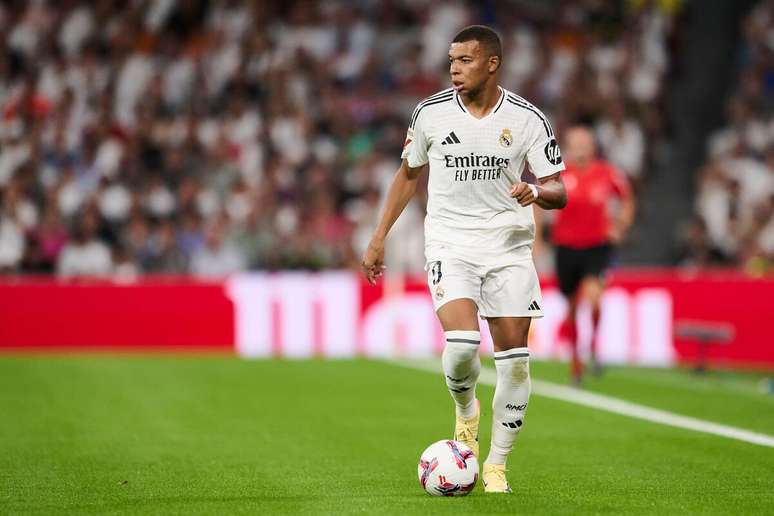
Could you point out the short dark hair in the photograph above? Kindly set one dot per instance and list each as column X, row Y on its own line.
column 485, row 36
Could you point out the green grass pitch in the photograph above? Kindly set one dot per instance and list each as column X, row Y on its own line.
column 99, row 434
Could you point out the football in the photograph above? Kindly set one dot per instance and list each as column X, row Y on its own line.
column 448, row 468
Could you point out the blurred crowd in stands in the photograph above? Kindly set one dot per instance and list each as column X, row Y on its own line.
column 734, row 220
column 174, row 136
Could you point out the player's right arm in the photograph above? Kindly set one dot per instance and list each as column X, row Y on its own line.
column 402, row 189
column 403, row 186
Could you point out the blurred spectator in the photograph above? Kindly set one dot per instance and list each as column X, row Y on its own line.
column 736, row 184
column 164, row 256
column 85, row 255
column 216, row 257
column 697, row 248
column 274, row 124
column 11, row 243
column 622, row 140
column 48, row 239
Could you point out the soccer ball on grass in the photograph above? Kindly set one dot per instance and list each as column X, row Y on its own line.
column 448, row 468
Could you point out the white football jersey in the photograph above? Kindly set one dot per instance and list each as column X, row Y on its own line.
column 473, row 163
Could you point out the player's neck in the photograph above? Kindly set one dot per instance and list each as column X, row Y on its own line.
column 481, row 103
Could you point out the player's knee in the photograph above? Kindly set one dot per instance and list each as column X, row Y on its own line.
column 592, row 290
column 572, row 304
column 459, row 313
column 512, row 340
column 460, row 360
column 509, row 333
column 462, row 344
column 457, row 352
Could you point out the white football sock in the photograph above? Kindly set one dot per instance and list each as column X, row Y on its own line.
column 461, row 366
column 510, row 401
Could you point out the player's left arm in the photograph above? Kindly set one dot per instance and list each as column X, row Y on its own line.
column 545, row 162
column 551, row 194
column 625, row 214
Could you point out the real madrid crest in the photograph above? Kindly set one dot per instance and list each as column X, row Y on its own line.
column 439, row 292
column 506, row 138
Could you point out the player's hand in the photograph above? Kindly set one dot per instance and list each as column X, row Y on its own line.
column 373, row 261
column 615, row 235
column 523, row 193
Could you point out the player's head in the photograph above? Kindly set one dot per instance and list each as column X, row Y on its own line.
column 578, row 145
column 475, row 55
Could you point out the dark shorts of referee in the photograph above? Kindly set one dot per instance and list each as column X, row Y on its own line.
column 572, row 265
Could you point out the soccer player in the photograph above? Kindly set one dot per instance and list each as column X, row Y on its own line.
column 477, row 138
column 584, row 234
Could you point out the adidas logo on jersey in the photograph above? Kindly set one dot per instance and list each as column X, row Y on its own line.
column 534, row 306
column 451, row 139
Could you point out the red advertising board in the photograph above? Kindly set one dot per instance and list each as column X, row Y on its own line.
column 715, row 300
column 154, row 313
column 652, row 317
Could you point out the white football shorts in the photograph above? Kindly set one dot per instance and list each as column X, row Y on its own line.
column 511, row 290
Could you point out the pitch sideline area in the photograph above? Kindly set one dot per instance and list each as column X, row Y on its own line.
column 161, row 434
column 611, row 404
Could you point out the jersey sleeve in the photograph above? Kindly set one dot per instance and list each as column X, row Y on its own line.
column 415, row 146
column 543, row 154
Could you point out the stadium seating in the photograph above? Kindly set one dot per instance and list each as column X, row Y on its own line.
column 207, row 140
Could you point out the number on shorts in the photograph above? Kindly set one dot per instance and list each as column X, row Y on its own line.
column 435, row 273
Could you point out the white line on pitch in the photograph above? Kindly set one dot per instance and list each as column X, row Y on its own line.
column 611, row 404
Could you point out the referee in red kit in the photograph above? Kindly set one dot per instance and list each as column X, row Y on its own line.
column 586, row 231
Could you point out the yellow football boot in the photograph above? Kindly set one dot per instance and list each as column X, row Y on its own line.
column 494, row 479
column 466, row 430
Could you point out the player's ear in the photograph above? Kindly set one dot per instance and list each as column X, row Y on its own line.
column 494, row 64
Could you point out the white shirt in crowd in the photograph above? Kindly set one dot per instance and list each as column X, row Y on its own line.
column 11, row 243
column 624, row 146
column 222, row 261
column 91, row 258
